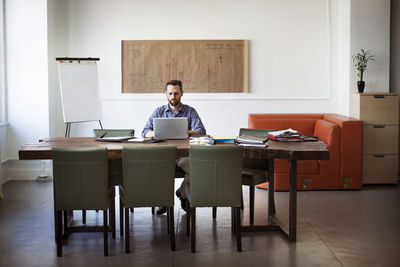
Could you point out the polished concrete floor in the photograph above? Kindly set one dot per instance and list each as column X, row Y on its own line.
column 335, row 228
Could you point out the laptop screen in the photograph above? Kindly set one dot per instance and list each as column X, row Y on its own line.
column 170, row 128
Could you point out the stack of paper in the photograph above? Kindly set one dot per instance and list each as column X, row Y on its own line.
column 140, row 139
column 114, row 139
column 285, row 135
column 250, row 140
column 204, row 140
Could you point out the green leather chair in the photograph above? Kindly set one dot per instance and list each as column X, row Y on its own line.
column 255, row 171
column 215, row 181
column 115, row 165
column 148, row 176
column 113, row 132
column 80, row 183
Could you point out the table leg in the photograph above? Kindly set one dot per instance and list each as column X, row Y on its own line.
column 293, row 201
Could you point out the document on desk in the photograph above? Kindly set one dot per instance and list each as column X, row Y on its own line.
column 114, row 139
column 143, row 140
column 253, row 144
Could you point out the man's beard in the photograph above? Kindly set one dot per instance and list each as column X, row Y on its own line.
column 174, row 103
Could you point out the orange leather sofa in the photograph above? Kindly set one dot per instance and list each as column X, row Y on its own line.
column 343, row 137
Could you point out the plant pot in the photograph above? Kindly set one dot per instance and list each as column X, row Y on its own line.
column 360, row 86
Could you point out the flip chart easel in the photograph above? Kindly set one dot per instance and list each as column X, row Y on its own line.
column 79, row 91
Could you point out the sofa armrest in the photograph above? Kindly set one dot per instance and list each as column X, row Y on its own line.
column 327, row 132
column 351, row 149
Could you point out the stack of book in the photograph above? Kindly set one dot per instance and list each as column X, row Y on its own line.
column 288, row 135
column 249, row 140
column 224, row 139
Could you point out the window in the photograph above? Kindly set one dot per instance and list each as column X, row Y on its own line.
column 2, row 66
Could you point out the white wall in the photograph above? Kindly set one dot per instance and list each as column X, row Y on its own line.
column 27, row 86
column 290, row 55
column 57, row 29
column 370, row 30
column 340, row 53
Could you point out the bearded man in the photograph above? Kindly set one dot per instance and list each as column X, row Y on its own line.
column 175, row 108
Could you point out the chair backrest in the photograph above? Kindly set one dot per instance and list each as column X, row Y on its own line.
column 113, row 132
column 215, row 176
column 148, row 174
column 255, row 163
column 80, row 178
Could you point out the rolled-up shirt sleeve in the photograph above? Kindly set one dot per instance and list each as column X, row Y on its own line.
column 196, row 123
column 149, row 123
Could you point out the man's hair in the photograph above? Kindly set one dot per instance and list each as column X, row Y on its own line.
column 174, row 83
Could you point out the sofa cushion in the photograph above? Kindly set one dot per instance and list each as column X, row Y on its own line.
column 304, row 126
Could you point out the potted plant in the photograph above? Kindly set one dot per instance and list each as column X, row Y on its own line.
column 361, row 59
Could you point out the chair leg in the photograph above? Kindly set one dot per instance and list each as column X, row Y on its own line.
column 153, row 209
column 172, row 227
column 238, row 230
column 168, row 215
column 214, row 213
column 126, row 230
column 252, row 204
column 233, row 220
column 188, row 217
column 241, row 198
column 112, row 221
column 193, row 232
column 59, row 232
column 112, row 216
column 65, row 223
column 105, row 232
column 121, row 218
column 84, row 216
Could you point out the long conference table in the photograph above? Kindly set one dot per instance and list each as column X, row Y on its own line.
column 290, row 151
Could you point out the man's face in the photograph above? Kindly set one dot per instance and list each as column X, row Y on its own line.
column 174, row 95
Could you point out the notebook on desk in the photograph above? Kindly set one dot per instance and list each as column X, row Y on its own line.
column 170, row 128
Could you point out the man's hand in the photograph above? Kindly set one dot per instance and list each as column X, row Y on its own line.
column 192, row 132
column 149, row 134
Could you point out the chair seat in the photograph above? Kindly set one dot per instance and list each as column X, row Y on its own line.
column 252, row 177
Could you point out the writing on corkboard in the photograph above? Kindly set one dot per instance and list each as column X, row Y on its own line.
column 203, row 66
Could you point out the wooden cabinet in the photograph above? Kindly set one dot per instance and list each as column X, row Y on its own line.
column 380, row 115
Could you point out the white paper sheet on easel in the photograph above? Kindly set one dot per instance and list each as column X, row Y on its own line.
column 79, row 85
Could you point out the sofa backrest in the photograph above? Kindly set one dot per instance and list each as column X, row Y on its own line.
column 304, row 123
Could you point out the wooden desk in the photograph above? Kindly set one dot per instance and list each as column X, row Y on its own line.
column 290, row 151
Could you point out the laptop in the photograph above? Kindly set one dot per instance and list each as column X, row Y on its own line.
column 170, row 128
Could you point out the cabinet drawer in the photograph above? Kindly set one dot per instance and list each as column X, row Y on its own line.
column 380, row 169
column 376, row 109
column 379, row 109
column 380, row 139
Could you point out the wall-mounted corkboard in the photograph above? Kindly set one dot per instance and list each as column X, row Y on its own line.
column 203, row 66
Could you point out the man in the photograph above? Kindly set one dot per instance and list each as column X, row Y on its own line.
column 175, row 108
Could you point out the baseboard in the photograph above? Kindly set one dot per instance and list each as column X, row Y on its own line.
column 24, row 169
